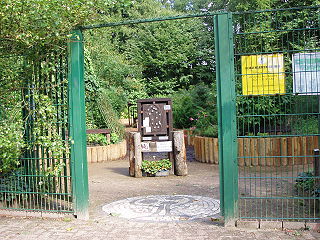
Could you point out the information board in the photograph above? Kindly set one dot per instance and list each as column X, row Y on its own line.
column 263, row 74
column 306, row 73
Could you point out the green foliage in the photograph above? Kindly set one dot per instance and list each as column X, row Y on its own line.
column 209, row 131
column 11, row 124
column 97, row 139
column 114, row 138
column 305, row 183
column 44, row 130
column 195, row 107
column 152, row 59
column 48, row 183
column 306, row 125
column 109, row 115
column 11, row 141
column 46, row 24
column 117, row 99
column 153, row 167
column 12, row 185
column 101, row 140
column 104, row 104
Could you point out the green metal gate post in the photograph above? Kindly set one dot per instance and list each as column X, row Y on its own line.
column 77, row 127
column 228, row 163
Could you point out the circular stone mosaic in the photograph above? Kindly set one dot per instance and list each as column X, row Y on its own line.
column 164, row 208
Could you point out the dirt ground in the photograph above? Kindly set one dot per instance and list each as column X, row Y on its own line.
column 110, row 182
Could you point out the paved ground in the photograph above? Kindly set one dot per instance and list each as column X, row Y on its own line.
column 165, row 208
column 109, row 182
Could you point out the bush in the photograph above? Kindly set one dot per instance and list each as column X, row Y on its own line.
column 210, row 131
column 309, row 125
column 12, row 185
column 196, row 108
column 306, row 184
column 97, row 139
column 11, row 133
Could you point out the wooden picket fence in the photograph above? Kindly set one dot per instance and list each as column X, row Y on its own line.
column 255, row 151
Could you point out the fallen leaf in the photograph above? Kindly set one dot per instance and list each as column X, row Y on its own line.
column 67, row 219
column 114, row 214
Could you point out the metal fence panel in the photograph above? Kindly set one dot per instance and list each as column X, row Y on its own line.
column 41, row 178
column 277, row 63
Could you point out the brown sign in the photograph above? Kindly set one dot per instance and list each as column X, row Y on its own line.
column 155, row 119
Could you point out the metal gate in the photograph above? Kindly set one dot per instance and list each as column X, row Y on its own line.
column 267, row 68
column 36, row 172
column 277, row 67
column 42, row 116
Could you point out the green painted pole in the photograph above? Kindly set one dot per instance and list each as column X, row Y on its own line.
column 77, row 126
column 228, row 163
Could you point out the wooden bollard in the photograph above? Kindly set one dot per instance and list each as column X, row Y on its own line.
column 89, row 155
column 131, row 154
column 216, row 150
column 203, row 151
column 247, row 155
column 196, row 148
column 207, row 147
column 137, row 154
column 211, row 151
column 316, row 165
column 94, row 155
column 179, row 153
column 254, row 151
column 240, row 152
column 284, row 152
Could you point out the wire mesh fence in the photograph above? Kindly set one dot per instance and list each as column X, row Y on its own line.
column 277, row 63
column 34, row 151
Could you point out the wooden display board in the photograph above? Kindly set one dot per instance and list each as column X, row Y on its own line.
column 155, row 124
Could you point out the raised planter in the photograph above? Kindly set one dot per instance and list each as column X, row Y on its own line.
column 163, row 173
column 264, row 151
column 106, row 153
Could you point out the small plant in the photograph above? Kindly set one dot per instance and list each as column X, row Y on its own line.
column 97, row 139
column 12, row 185
column 114, row 138
column 306, row 183
column 152, row 167
column 48, row 183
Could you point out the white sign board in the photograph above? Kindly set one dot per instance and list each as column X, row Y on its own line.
column 145, row 146
column 164, row 146
column 306, row 73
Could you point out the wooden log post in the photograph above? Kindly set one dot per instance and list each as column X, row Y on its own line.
column 316, row 165
column 207, row 149
column 179, row 153
column 137, row 154
column 131, row 154
column 94, row 156
column 284, row 152
column 211, row 151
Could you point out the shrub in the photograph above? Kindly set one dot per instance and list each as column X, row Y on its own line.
column 195, row 107
column 97, row 139
column 153, row 167
column 210, row 131
column 11, row 184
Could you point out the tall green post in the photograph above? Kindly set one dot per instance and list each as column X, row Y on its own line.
column 228, row 163
column 77, row 126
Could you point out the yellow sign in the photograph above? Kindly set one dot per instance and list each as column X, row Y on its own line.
column 263, row 74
